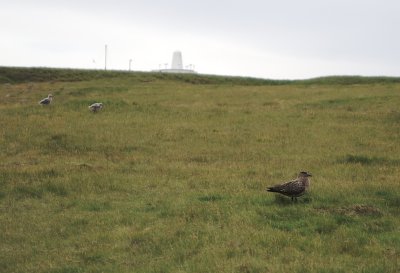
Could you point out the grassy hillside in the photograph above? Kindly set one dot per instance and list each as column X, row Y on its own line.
column 171, row 175
column 21, row 75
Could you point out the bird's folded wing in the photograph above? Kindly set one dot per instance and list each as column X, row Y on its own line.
column 291, row 187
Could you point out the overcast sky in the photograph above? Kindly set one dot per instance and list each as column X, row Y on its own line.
column 285, row 39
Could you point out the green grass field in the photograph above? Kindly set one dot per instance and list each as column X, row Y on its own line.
column 171, row 175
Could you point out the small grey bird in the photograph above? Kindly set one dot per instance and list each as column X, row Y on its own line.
column 294, row 188
column 96, row 107
column 46, row 101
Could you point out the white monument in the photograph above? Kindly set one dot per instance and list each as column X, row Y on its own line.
column 177, row 60
column 177, row 65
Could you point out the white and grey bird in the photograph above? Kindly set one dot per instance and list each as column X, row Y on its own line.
column 46, row 101
column 293, row 188
column 96, row 107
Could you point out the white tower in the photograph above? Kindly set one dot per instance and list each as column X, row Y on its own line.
column 177, row 65
column 177, row 60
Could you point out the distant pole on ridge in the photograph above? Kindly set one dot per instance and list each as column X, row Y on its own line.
column 105, row 58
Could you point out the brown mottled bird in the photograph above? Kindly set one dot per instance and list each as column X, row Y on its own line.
column 294, row 188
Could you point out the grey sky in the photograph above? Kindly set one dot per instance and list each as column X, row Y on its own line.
column 269, row 39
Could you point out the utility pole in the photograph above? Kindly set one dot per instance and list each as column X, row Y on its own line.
column 105, row 58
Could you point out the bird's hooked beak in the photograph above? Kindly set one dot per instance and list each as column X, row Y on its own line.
column 309, row 174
